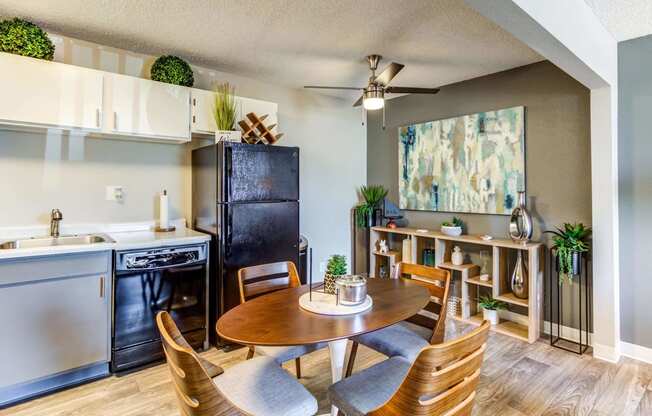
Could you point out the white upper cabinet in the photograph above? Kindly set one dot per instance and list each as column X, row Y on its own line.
column 35, row 92
column 202, row 106
column 145, row 108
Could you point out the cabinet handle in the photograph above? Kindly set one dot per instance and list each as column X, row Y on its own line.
column 194, row 102
column 115, row 120
column 193, row 120
column 97, row 117
column 101, row 287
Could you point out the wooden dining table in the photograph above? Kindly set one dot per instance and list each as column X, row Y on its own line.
column 276, row 319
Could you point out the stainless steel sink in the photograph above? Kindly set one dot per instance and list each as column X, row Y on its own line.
column 67, row 240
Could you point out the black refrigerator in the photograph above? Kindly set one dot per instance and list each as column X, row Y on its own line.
column 247, row 197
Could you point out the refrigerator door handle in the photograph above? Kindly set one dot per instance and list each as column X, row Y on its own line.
column 229, row 232
column 228, row 171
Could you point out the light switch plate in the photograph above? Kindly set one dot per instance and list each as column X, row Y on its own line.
column 114, row 193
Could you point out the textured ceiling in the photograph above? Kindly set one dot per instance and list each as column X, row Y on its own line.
column 294, row 42
column 625, row 19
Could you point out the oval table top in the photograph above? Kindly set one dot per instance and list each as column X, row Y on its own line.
column 277, row 319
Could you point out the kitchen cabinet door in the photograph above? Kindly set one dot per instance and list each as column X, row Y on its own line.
column 53, row 325
column 145, row 108
column 49, row 94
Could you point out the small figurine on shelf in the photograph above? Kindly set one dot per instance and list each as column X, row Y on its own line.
column 457, row 257
column 383, row 246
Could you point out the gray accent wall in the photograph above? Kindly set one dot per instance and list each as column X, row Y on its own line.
column 558, row 152
column 635, row 189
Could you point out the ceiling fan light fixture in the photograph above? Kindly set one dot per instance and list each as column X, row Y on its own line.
column 373, row 99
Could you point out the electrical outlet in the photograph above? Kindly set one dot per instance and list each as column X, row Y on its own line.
column 114, row 193
column 322, row 267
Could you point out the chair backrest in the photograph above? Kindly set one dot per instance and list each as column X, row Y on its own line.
column 437, row 281
column 442, row 379
column 196, row 393
column 258, row 280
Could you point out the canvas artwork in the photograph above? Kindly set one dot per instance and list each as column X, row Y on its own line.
column 473, row 163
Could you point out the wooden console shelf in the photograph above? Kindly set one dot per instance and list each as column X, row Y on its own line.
column 522, row 311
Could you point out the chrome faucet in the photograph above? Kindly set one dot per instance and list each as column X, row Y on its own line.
column 55, row 218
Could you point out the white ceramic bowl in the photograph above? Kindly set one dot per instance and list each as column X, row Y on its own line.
column 452, row 231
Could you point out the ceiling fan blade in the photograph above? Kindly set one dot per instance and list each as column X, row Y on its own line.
column 333, row 88
column 410, row 90
column 389, row 73
column 359, row 102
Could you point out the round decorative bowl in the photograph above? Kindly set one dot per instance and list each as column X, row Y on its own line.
column 351, row 289
column 452, row 231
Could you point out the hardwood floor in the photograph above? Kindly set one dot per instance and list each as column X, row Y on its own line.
column 517, row 379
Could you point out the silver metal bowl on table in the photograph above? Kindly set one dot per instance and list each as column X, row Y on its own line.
column 351, row 289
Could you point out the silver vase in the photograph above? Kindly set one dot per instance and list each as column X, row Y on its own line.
column 519, row 282
column 520, row 223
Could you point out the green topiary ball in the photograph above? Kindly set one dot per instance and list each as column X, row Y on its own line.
column 24, row 38
column 172, row 70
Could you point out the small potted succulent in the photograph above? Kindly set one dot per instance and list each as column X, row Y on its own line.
column 490, row 308
column 569, row 243
column 373, row 195
column 453, row 228
column 172, row 70
column 21, row 37
column 224, row 112
column 335, row 267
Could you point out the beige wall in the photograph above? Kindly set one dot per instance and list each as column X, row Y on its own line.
column 41, row 171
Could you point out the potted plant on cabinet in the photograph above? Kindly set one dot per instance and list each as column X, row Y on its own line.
column 490, row 308
column 335, row 267
column 21, row 37
column 364, row 212
column 224, row 111
column 569, row 243
column 453, row 228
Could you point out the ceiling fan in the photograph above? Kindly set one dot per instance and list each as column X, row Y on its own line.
column 373, row 95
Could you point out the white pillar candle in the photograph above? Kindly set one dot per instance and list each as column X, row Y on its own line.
column 407, row 251
column 164, row 211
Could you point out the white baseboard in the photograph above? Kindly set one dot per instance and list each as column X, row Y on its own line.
column 637, row 352
column 571, row 334
column 606, row 353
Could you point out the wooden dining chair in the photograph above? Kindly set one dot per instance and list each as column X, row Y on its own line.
column 259, row 280
column 407, row 338
column 441, row 381
column 254, row 387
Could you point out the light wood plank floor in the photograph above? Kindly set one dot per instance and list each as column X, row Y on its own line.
column 517, row 379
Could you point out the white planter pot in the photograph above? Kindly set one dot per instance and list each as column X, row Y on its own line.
column 452, row 231
column 228, row 136
column 491, row 316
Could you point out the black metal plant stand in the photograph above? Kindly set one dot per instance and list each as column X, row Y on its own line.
column 584, row 308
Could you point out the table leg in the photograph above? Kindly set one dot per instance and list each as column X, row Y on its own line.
column 337, row 351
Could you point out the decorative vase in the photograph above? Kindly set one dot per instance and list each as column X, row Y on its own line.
column 452, row 231
column 457, row 257
column 519, row 282
column 228, row 136
column 520, row 222
column 490, row 315
column 329, row 283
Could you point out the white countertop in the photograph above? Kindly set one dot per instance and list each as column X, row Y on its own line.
column 124, row 236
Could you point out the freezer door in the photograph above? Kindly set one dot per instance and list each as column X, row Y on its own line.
column 258, row 173
column 253, row 234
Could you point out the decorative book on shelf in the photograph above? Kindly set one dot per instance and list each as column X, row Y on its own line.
column 255, row 131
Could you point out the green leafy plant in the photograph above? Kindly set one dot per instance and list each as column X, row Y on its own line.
column 373, row 196
column 489, row 303
column 572, row 238
column 336, row 265
column 172, row 70
column 21, row 37
column 457, row 222
column 224, row 109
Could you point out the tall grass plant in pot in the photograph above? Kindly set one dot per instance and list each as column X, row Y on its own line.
column 372, row 195
column 225, row 113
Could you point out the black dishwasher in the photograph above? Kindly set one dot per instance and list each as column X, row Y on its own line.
column 172, row 279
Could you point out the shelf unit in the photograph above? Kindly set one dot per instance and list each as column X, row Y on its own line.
column 521, row 321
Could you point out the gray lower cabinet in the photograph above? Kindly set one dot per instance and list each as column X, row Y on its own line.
column 55, row 317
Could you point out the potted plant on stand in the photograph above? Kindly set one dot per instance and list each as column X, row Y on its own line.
column 490, row 308
column 569, row 243
column 224, row 111
column 364, row 212
column 335, row 267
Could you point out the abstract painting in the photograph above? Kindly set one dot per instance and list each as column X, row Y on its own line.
column 473, row 163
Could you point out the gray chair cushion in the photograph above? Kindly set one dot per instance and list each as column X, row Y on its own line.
column 261, row 388
column 283, row 354
column 403, row 339
column 370, row 388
